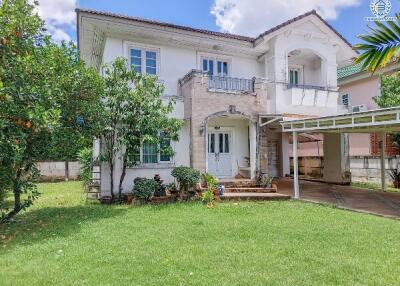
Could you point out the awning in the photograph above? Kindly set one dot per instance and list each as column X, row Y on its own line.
column 380, row 120
column 387, row 119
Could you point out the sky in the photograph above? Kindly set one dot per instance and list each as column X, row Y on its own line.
column 244, row 17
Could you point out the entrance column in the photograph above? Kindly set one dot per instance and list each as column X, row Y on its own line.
column 336, row 169
column 296, row 167
column 383, row 171
column 253, row 148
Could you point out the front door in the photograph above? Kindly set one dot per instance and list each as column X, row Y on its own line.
column 220, row 154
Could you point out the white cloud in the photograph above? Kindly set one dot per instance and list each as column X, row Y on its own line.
column 252, row 17
column 59, row 16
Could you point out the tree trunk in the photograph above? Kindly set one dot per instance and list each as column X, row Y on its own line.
column 112, row 180
column 121, row 179
column 66, row 170
column 17, row 199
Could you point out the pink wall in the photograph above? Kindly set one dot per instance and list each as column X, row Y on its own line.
column 362, row 91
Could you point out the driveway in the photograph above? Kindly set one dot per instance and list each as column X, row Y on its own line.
column 380, row 203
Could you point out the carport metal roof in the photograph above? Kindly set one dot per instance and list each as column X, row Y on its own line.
column 380, row 120
column 387, row 119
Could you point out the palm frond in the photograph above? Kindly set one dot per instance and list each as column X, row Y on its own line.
column 380, row 46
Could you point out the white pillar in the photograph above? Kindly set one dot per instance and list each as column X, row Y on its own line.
column 253, row 149
column 296, row 167
column 383, row 171
column 285, row 158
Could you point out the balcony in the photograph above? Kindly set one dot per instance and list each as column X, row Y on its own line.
column 230, row 84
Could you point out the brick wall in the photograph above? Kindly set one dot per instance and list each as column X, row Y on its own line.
column 390, row 148
column 202, row 103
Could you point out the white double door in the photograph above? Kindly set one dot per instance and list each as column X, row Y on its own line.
column 220, row 153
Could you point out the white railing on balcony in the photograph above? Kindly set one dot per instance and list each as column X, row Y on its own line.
column 231, row 84
column 306, row 86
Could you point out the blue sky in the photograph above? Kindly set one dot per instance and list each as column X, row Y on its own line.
column 347, row 16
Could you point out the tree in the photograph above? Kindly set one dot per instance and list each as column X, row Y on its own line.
column 135, row 114
column 381, row 45
column 38, row 79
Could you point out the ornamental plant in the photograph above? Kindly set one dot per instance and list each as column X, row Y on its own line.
column 144, row 189
column 187, row 178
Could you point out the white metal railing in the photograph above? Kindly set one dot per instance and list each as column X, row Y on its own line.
column 306, row 86
column 231, row 84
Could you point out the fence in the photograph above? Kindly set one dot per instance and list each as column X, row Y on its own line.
column 362, row 168
column 54, row 171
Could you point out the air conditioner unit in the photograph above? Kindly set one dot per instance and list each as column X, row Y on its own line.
column 359, row 108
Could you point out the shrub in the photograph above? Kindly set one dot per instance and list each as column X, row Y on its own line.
column 144, row 189
column 187, row 177
column 208, row 198
column 160, row 192
column 265, row 181
column 210, row 180
column 85, row 165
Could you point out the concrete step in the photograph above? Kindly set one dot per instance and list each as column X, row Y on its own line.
column 242, row 183
column 255, row 196
column 249, row 190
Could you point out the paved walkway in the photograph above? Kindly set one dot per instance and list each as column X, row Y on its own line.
column 386, row 204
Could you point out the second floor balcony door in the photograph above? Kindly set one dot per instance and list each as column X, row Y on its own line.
column 220, row 154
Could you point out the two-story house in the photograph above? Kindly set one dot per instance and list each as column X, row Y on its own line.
column 231, row 90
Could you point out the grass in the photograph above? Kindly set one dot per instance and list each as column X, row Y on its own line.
column 374, row 186
column 62, row 240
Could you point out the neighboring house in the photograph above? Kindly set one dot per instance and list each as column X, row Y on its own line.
column 231, row 90
column 357, row 91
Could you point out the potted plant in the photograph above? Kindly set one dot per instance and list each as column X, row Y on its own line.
column 187, row 179
column 395, row 175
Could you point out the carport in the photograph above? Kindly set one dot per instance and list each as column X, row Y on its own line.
column 333, row 128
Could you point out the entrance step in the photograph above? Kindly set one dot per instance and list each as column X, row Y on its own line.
column 241, row 183
column 255, row 196
column 249, row 190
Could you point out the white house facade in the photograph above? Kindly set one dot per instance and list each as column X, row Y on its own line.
column 231, row 91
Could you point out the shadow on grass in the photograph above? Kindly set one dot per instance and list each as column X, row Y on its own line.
column 52, row 222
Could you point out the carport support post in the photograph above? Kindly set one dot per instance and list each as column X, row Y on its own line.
column 383, row 171
column 296, row 167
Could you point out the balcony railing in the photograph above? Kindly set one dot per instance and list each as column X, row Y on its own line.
column 231, row 84
column 306, row 86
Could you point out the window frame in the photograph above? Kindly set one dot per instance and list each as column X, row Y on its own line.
column 144, row 48
column 159, row 162
column 348, row 100
column 299, row 70
column 215, row 58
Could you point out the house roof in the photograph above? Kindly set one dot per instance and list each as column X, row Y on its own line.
column 349, row 70
column 214, row 33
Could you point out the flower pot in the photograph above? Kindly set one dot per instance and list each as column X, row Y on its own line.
column 106, row 200
column 160, row 200
column 396, row 184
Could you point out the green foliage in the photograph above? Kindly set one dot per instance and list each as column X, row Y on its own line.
column 380, row 46
column 160, row 191
column 265, row 181
column 390, row 91
column 43, row 88
column 395, row 175
column 134, row 110
column 208, row 198
column 210, row 180
column 187, row 177
column 144, row 188
column 85, row 162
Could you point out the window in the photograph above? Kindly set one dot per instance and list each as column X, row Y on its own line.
column 151, row 153
column 214, row 66
column 144, row 61
column 345, row 100
column 294, row 76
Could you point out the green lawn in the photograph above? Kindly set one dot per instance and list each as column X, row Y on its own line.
column 374, row 186
column 64, row 241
